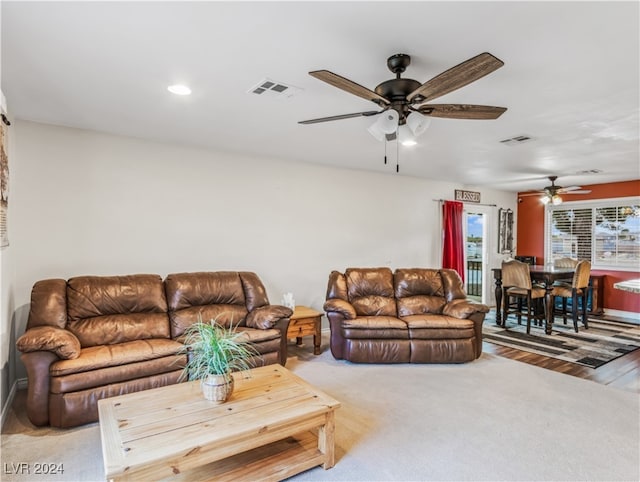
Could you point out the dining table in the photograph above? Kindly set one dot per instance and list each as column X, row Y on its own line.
column 546, row 275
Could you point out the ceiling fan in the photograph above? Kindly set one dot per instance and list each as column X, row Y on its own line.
column 405, row 101
column 551, row 194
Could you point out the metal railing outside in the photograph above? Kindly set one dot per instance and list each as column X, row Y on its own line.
column 474, row 277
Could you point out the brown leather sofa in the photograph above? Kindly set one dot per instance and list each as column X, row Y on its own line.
column 94, row 337
column 412, row 315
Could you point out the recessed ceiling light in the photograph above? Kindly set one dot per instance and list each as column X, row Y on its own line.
column 179, row 89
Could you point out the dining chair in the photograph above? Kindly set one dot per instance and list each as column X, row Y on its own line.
column 569, row 263
column 565, row 263
column 516, row 284
column 577, row 291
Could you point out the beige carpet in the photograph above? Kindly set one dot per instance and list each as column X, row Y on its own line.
column 493, row 419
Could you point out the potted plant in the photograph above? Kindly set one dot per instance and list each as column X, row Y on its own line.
column 213, row 352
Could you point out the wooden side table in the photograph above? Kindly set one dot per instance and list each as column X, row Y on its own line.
column 597, row 290
column 305, row 321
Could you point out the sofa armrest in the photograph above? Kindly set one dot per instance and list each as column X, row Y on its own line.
column 37, row 364
column 48, row 338
column 266, row 317
column 282, row 325
column 462, row 308
column 343, row 307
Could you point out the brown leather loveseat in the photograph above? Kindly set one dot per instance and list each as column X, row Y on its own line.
column 412, row 315
column 94, row 337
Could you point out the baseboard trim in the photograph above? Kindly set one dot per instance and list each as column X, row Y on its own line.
column 629, row 316
column 23, row 383
column 7, row 405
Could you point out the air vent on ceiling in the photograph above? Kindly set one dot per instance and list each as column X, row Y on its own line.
column 590, row 171
column 271, row 88
column 512, row 141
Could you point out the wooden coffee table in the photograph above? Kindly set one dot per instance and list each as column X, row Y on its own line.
column 275, row 425
column 305, row 321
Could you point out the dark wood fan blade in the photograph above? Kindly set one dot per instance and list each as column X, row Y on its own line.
column 348, row 86
column 461, row 111
column 339, row 117
column 456, row 77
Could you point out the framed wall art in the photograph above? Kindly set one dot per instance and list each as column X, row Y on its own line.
column 505, row 231
column 4, row 183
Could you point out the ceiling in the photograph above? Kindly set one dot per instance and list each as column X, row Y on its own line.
column 570, row 80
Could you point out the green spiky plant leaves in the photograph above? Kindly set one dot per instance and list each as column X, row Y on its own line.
column 213, row 349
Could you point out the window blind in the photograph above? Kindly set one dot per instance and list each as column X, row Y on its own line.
column 570, row 233
column 606, row 232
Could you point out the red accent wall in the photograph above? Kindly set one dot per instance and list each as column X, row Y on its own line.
column 530, row 238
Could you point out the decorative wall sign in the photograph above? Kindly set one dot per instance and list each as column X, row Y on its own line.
column 505, row 231
column 4, row 185
column 467, row 196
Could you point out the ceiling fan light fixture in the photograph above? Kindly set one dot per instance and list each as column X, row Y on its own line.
column 418, row 123
column 376, row 132
column 388, row 121
column 405, row 136
column 553, row 199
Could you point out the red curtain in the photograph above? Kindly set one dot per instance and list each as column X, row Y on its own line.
column 453, row 242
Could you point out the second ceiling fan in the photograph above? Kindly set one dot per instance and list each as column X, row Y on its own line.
column 551, row 194
column 400, row 98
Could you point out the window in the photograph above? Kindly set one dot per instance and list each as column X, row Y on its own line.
column 606, row 232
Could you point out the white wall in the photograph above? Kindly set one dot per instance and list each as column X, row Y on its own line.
column 89, row 203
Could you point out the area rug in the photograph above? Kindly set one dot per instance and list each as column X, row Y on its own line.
column 605, row 340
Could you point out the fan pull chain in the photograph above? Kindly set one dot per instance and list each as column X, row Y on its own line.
column 397, row 152
column 385, row 152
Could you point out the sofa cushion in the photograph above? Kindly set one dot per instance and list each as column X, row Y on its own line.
column 113, row 329
column 417, row 281
column 419, row 305
column 254, row 291
column 370, row 291
column 215, row 296
column 378, row 327
column 225, row 315
column 453, row 285
column 418, row 291
column 90, row 296
column 96, row 357
column 104, row 310
column 185, row 290
column 438, row 327
column 437, row 322
column 116, row 374
column 265, row 342
column 253, row 335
